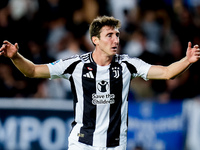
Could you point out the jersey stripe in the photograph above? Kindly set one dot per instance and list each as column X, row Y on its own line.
column 102, row 118
column 131, row 68
column 124, row 109
column 89, row 110
column 115, row 109
column 75, row 100
column 71, row 68
column 78, row 103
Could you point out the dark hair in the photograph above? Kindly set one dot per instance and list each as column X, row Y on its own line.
column 99, row 22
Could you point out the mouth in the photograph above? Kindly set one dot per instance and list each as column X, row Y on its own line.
column 114, row 48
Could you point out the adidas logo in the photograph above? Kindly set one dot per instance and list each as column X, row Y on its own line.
column 89, row 75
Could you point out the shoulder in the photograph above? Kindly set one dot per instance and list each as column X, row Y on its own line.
column 87, row 57
column 72, row 58
column 84, row 57
column 125, row 58
column 131, row 61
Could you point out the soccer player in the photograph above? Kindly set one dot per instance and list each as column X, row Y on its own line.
column 100, row 83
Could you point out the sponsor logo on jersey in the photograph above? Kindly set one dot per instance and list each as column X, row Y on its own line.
column 103, row 99
column 89, row 75
column 103, row 86
column 55, row 62
column 89, row 68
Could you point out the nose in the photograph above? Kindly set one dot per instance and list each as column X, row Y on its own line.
column 116, row 39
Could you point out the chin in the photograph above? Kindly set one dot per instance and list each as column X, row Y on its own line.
column 114, row 51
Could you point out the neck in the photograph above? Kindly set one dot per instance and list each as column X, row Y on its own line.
column 101, row 59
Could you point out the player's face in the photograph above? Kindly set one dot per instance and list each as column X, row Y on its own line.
column 109, row 40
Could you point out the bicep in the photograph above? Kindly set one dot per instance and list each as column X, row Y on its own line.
column 157, row 72
column 41, row 71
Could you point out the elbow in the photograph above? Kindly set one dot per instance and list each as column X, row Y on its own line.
column 171, row 77
column 30, row 73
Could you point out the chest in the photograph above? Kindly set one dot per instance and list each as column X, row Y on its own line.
column 101, row 76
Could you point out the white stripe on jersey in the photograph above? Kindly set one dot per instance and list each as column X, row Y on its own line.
column 102, row 118
column 124, row 108
column 79, row 106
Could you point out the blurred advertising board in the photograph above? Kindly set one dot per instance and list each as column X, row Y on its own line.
column 42, row 124
column 155, row 126
column 35, row 124
column 192, row 114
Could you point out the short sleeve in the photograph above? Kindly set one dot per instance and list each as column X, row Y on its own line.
column 57, row 69
column 141, row 67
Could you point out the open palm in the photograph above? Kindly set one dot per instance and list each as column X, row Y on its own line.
column 193, row 54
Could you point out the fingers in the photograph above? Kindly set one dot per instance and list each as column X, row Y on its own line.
column 189, row 44
column 196, row 46
column 6, row 42
column 197, row 51
column 2, row 50
column 4, row 46
column 16, row 45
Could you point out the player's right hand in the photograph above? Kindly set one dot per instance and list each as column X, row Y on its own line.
column 9, row 50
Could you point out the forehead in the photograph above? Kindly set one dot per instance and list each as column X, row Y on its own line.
column 109, row 29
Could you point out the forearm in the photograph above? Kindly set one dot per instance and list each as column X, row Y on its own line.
column 24, row 65
column 178, row 68
column 168, row 72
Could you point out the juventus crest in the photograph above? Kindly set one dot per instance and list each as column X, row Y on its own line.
column 116, row 72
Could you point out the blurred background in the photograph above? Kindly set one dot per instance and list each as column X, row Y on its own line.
column 166, row 113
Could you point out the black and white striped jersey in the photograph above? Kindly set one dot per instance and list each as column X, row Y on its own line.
column 100, row 96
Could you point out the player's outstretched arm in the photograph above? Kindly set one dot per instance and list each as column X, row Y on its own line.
column 176, row 68
column 28, row 68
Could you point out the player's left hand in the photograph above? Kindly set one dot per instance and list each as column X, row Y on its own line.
column 193, row 54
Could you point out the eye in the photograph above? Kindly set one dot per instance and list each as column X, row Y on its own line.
column 109, row 35
column 117, row 34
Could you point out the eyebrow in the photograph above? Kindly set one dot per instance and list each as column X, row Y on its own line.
column 117, row 33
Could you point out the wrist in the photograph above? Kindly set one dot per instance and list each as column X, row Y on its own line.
column 15, row 56
column 187, row 61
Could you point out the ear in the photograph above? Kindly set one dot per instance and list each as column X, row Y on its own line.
column 95, row 40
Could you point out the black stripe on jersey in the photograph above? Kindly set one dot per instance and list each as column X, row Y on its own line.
column 71, row 68
column 89, row 112
column 116, row 85
column 131, row 68
column 75, row 99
